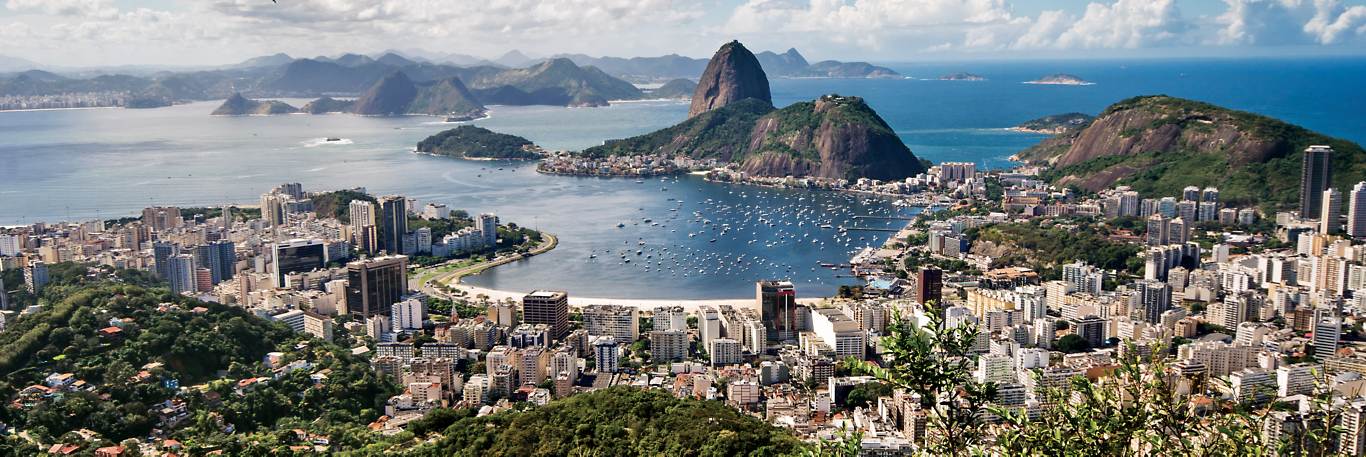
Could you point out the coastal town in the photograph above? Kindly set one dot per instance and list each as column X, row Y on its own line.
column 1230, row 303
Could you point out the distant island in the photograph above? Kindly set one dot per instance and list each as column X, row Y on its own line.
column 1060, row 78
column 328, row 105
column 961, row 76
column 678, row 89
column 470, row 142
column 1057, row 123
column 236, row 105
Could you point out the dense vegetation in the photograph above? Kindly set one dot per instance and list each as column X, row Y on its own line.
column 168, row 341
column 337, row 205
column 1271, row 182
column 469, row 141
column 1045, row 248
column 718, row 130
column 619, row 421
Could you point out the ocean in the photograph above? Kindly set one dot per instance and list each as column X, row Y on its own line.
column 109, row 163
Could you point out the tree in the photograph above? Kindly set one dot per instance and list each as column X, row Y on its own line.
column 1073, row 343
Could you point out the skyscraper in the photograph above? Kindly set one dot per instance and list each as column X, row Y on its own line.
column 180, row 277
column 272, row 210
column 929, row 285
column 1191, row 193
column 1331, row 213
column 1154, row 298
column 219, row 257
column 1211, row 194
column 374, row 285
column 297, row 256
column 1315, row 178
column 547, row 307
column 488, row 228
column 35, row 276
column 1327, row 333
column 160, row 252
column 778, row 308
column 395, row 223
column 1356, row 215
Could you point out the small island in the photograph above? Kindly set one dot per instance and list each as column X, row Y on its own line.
column 1061, row 79
column 328, row 105
column 1055, row 124
column 961, row 76
column 236, row 105
column 478, row 143
column 678, row 89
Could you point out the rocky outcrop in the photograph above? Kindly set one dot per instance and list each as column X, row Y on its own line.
column 845, row 140
column 390, row 96
column 733, row 74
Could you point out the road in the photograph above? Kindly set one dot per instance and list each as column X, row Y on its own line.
column 427, row 286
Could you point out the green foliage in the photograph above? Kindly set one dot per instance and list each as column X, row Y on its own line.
column 867, row 394
column 1041, row 248
column 708, row 134
column 337, row 205
column 327, row 105
column 1271, row 182
column 619, row 421
column 477, row 142
column 678, row 88
column 1073, row 343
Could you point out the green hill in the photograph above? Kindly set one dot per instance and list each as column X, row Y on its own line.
column 468, row 141
column 677, row 89
column 1056, row 123
column 833, row 137
column 327, row 105
column 554, row 82
column 618, row 421
column 395, row 94
column 236, row 105
column 1158, row 145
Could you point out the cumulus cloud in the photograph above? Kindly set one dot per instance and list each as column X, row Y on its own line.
column 1282, row 22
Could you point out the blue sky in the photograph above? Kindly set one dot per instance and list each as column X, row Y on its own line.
column 208, row 32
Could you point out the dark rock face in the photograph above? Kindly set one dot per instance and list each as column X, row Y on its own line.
column 391, row 95
column 733, row 74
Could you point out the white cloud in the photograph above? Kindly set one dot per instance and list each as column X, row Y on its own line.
column 1126, row 24
column 1284, row 22
column 81, row 8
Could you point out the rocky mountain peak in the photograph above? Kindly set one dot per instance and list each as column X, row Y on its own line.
column 733, row 74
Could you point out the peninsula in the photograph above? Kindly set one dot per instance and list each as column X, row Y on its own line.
column 236, row 105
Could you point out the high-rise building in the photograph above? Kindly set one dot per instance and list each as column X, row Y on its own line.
column 374, row 285
column 395, row 223
column 1179, row 230
column 606, row 354
column 929, row 285
column 409, row 313
column 10, row 245
column 180, row 277
column 777, row 302
column 669, row 345
column 1191, row 193
column 272, row 210
column 1356, row 214
column 1154, row 298
column 297, row 256
column 1208, row 211
column 35, row 276
column 1316, row 177
column 547, row 307
column 621, row 322
column 160, row 218
column 1331, row 212
column 1327, row 333
column 670, row 318
column 1159, row 226
column 487, row 224
column 1167, row 207
column 362, row 213
column 160, row 252
column 1211, row 194
column 1187, row 209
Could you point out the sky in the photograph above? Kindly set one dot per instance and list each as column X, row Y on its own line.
column 213, row 32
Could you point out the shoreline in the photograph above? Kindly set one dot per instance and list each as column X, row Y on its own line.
column 25, row 110
column 689, row 305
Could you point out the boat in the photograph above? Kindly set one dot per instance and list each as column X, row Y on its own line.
column 333, row 138
column 713, row 240
column 640, row 181
column 594, row 256
column 620, row 225
column 663, row 188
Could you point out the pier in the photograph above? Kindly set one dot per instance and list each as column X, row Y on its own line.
column 885, row 217
column 869, row 229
